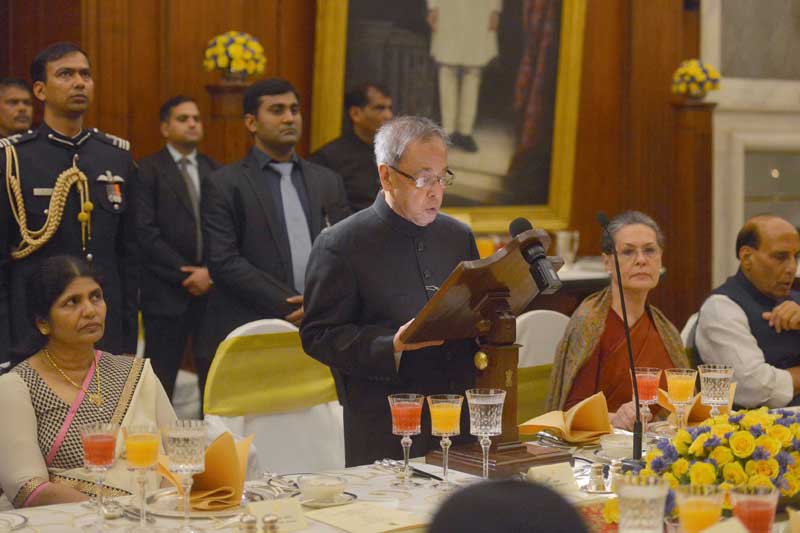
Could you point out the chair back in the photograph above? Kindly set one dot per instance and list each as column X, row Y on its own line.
column 261, row 382
column 688, row 337
column 538, row 334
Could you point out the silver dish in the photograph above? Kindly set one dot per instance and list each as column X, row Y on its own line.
column 168, row 503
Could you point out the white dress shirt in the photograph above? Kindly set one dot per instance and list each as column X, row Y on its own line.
column 723, row 337
column 191, row 168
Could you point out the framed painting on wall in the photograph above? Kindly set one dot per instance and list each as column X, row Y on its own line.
column 501, row 76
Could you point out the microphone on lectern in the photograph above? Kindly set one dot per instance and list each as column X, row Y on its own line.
column 541, row 268
column 602, row 218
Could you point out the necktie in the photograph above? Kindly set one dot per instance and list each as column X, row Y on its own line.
column 296, row 226
column 194, row 197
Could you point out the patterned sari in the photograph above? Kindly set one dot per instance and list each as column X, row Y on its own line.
column 40, row 443
column 582, row 337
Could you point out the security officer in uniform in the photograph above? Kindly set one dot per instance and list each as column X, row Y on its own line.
column 69, row 192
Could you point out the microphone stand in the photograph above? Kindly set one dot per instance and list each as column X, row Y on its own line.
column 637, row 424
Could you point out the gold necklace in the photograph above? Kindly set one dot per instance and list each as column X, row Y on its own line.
column 94, row 397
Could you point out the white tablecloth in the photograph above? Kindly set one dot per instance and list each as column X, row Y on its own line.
column 367, row 482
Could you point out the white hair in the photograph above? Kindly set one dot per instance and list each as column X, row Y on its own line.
column 393, row 138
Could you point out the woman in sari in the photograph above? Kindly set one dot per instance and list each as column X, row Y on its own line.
column 592, row 356
column 61, row 382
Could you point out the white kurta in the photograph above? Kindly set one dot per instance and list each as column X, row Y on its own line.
column 462, row 35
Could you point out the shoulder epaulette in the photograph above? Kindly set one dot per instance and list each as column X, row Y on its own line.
column 18, row 138
column 113, row 140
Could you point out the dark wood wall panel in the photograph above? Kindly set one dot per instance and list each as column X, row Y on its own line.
column 627, row 153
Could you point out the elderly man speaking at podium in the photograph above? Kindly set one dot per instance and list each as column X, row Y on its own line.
column 369, row 275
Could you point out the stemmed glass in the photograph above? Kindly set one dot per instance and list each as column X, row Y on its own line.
column 699, row 506
column 141, row 448
column 715, row 386
column 445, row 422
column 485, row 418
column 185, row 444
column 680, row 387
column 647, row 379
column 406, row 415
column 99, row 442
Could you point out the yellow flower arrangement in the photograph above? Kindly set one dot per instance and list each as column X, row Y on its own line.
column 695, row 79
column 235, row 53
column 756, row 448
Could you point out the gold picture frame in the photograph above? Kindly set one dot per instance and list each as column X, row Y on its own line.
column 326, row 120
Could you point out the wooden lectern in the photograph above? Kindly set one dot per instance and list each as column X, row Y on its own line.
column 481, row 299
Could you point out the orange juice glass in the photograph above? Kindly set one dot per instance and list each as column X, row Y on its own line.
column 699, row 506
column 141, row 447
column 680, row 387
column 445, row 423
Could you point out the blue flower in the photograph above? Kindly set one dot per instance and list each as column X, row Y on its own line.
column 760, row 454
column 795, row 444
column 735, row 419
column 756, row 430
column 712, row 442
column 728, row 435
column 668, row 451
column 712, row 462
column 786, row 422
column 669, row 504
column 784, row 460
column 658, row 465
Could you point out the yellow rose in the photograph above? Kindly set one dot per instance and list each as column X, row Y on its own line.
column 680, row 467
column 237, row 65
column 222, row 61
column 681, row 441
column 773, row 446
column 726, row 500
column 792, row 485
column 720, row 430
column 722, row 455
column 208, row 64
column 235, row 51
column 759, row 481
column 672, row 480
column 794, row 468
column 780, row 433
column 742, row 444
column 769, row 468
column 734, row 474
column 698, row 446
column 611, row 511
column 260, row 68
column 702, row 474
column 651, row 454
column 209, row 53
column 256, row 47
column 646, row 472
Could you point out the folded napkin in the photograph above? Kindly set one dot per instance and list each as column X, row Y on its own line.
column 583, row 424
column 696, row 411
column 222, row 484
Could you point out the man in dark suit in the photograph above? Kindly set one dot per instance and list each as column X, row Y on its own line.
column 352, row 155
column 174, row 278
column 260, row 216
column 371, row 274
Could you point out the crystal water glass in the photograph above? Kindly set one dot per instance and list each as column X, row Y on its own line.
column 641, row 503
column 699, row 506
column 99, row 442
column 715, row 386
column 485, row 418
column 647, row 379
column 141, row 451
column 185, row 444
column 406, row 411
column 445, row 423
column 680, row 388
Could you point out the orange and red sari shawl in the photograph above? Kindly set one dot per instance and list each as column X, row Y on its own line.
column 579, row 347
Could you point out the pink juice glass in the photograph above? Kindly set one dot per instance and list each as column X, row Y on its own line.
column 647, row 380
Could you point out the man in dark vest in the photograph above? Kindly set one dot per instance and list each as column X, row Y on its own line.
column 752, row 321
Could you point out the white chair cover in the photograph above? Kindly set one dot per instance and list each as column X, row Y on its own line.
column 310, row 440
column 687, row 329
column 539, row 332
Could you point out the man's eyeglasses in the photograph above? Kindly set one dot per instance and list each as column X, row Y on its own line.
column 427, row 179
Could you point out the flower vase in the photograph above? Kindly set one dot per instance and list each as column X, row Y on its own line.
column 234, row 78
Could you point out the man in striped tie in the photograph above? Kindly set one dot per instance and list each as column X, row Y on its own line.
column 261, row 215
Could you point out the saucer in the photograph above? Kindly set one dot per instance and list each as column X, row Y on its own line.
column 340, row 499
